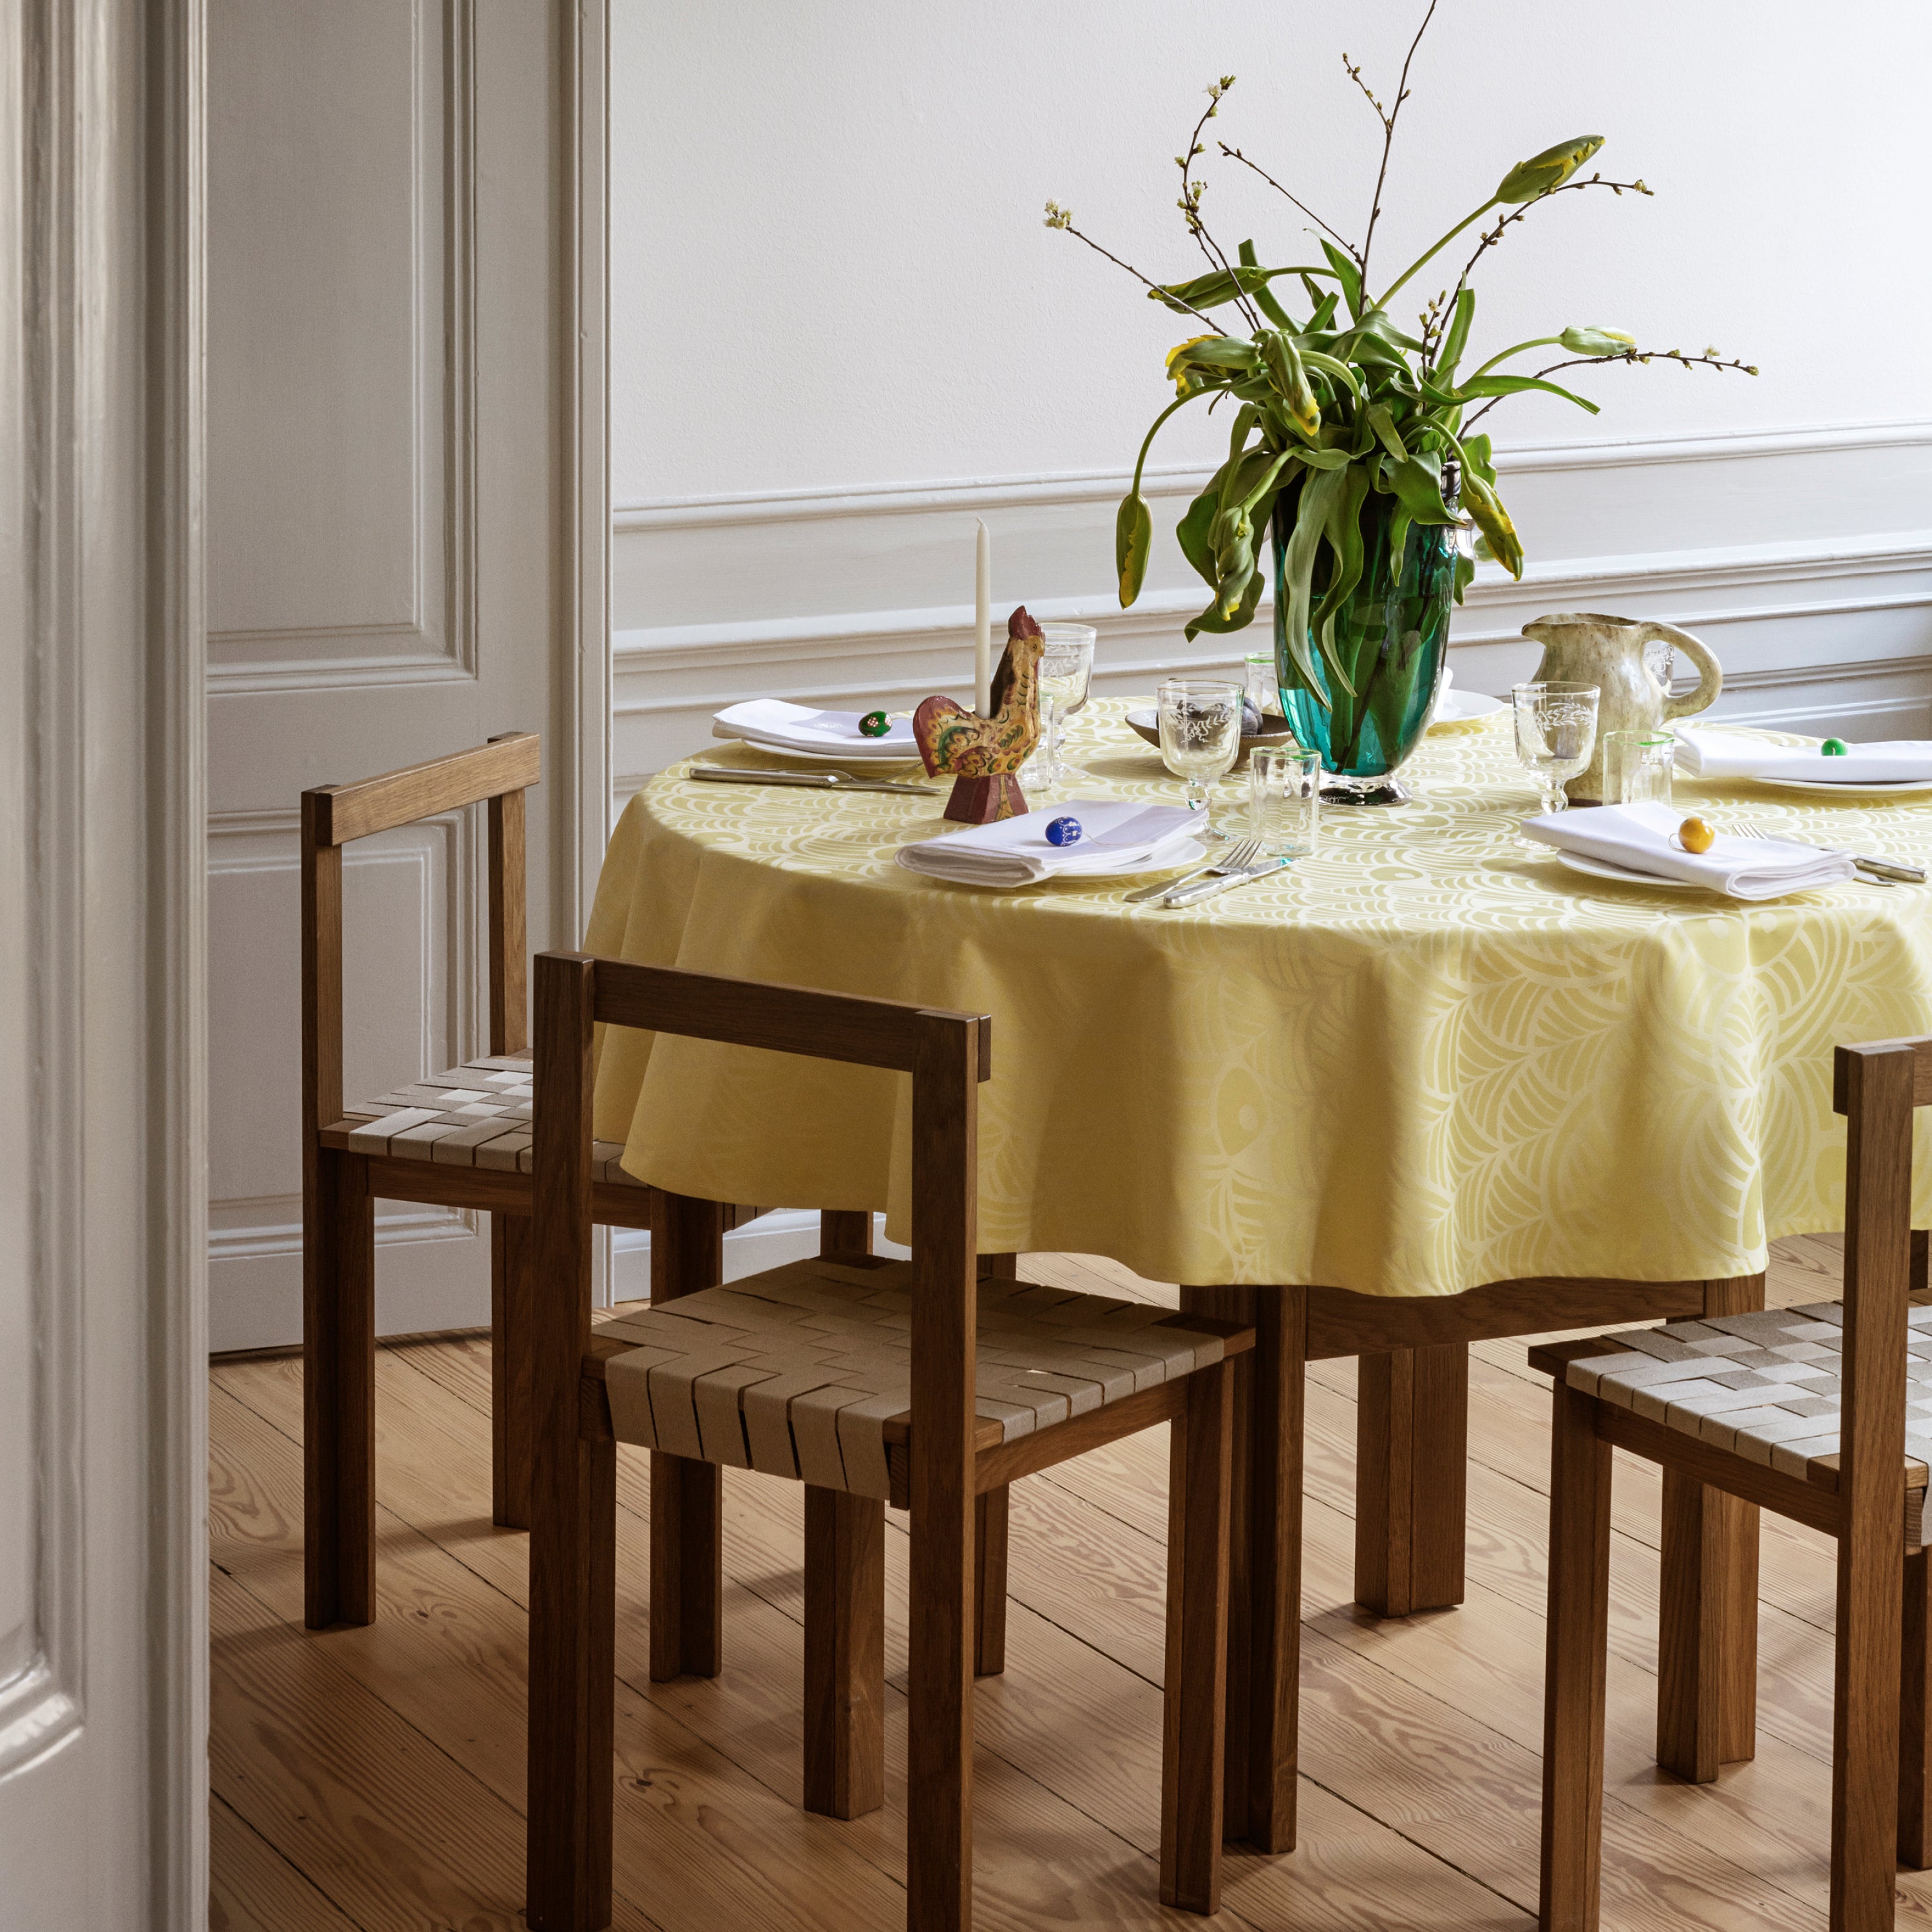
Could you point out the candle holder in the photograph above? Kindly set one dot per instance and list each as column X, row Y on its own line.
column 980, row 754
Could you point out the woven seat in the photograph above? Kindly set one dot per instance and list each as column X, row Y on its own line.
column 806, row 1371
column 475, row 1115
column 1765, row 1386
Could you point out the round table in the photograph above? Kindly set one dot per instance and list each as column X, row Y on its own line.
column 1428, row 1057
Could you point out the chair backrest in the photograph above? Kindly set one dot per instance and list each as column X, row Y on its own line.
column 1875, row 1087
column 333, row 815
column 946, row 1054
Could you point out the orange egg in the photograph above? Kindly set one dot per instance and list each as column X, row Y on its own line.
column 1694, row 835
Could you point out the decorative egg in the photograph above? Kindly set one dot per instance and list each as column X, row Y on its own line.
column 874, row 724
column 1833, row 748
column 1063, row 831
column 1694, row 835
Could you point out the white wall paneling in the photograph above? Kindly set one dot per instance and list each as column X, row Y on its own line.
column 1805, row 556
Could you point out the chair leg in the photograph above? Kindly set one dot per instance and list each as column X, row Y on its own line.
column 687, row 1568
column 1915, row 1731
column 1578, row 1644
column 512, row 1370
column 845, row 1653
column 989, row 1582
column 1195, row 1704
column 1866, row 1775
column 338, row 1389
column 1695, row 1618
column 573, row 1667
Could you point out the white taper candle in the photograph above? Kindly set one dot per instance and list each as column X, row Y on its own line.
column 983, row 625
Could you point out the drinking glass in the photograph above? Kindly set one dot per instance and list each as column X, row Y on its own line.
column 1555, row 733
column 1066, row 672
column 1637, row 767
column 1284, row 800
column 1262, row 684
column 1200, row 739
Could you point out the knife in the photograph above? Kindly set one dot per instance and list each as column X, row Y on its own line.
column 1888, row 868
column 1194, row 894
column 810, row 781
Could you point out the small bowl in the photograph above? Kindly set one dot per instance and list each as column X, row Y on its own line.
column 1275, row 730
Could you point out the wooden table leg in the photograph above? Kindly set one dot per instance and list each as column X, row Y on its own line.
column 1265, row 1562
column 1707, row 1636
column 1411, row 1452
column 511, row 1366
column 687, row 1496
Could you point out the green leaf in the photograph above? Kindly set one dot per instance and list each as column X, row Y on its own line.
column 1376, row 322
column 1457, row 338
column 1514, row 385
column 1133, row 537
column 1383, row 423
column 1265, row 297
column 1417, row 485
column 1323, row 459
column 1345, row 272
column 1477, row 455
column 1318, row 493
column 1214, row 289
column 1344, row 539
column 1336, row 370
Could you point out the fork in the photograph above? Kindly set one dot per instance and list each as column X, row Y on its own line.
column 1876, row 872
column 1239, row 858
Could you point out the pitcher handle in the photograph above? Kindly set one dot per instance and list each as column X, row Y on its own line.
column 1710, row 679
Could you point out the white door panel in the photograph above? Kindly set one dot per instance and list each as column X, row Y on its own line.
column 390, row 572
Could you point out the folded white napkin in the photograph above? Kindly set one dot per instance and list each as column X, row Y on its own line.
column 1642, row 837
column 1731, row 754
column 797, row 728
column 1118, row 835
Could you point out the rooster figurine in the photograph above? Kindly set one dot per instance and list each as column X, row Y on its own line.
column 981, row 754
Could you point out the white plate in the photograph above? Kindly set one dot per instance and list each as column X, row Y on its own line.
column 1463, row 707
column 1894, row 790
column 1602, row 868
column 852, row 761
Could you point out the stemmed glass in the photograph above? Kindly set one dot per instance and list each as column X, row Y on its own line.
column 1555, row 733
column 1066, row 672
column 1200, row 739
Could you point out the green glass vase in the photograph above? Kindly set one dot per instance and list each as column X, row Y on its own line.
column 1391, row 635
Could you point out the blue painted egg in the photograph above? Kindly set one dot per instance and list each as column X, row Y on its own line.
column 1063, row 831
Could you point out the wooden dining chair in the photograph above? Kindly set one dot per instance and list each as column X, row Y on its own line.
column 918, row 1383
column 1802, row 1411
column 458, row 1138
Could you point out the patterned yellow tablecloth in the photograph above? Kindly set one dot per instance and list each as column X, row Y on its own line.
column 1428, row 1058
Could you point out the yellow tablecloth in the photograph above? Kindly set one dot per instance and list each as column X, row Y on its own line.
column 1428, row 1058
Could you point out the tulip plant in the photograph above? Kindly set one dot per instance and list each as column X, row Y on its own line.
column 1340, row 405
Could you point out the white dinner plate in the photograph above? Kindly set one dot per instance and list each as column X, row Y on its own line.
column 1894, row 789
column 852, row 761
column 1464, row 707
column 1627, row 875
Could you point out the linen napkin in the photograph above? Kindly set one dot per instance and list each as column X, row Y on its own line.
column 1730, row 754
column 1118, row 835
column 797, row 728
column 1639, row 837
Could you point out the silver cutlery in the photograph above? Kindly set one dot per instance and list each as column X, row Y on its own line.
column 810, row 781
column 1214, row 888
column 1884, row 871
column 1236, row 858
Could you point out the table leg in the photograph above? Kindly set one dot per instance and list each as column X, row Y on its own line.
column 1707, row 1636
column 1411, row 1452
column 1265, row 1561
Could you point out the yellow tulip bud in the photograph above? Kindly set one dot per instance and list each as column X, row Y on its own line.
column 1550, row 169
column 1582, row 341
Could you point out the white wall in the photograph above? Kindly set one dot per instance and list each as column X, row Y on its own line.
column 840, row 330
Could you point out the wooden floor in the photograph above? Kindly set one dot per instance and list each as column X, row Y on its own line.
column 374, row 1778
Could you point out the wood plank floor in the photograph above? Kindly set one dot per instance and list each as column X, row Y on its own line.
column 373, row 1779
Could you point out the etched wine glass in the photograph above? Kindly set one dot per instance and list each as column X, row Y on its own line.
column 1066, row 672
column 1200, row 739
column 1556, row 733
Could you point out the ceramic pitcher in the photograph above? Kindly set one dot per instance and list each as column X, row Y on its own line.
column 1584, row 647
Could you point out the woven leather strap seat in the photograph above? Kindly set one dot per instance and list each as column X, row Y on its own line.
column 1764, row 1386
column 806, row 1371
column 475, row 1115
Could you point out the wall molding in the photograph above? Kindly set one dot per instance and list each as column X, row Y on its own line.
column 970, row 494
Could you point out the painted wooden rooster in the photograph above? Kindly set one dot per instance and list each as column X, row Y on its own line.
column 982, row 753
